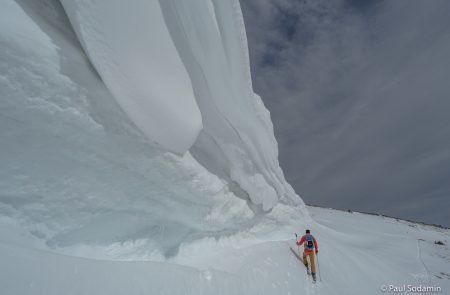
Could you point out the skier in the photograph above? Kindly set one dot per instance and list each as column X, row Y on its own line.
column 310, row 245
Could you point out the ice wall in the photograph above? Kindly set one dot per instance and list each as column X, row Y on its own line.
column 175, row 65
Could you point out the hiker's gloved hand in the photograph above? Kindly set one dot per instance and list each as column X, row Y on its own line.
column 317, row 252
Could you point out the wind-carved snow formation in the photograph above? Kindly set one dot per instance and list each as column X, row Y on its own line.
column 130, row 47
column 131, row 131
column 173, row 65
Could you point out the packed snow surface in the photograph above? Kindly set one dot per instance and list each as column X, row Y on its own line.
column 359, row 254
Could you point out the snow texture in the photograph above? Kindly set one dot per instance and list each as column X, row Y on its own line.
column 352, row 260
column 130, row 47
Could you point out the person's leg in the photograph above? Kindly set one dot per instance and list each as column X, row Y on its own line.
column 305, row 261
column 313, row 263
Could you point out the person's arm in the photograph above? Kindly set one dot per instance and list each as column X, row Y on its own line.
column 302, row 240
column 315, row 245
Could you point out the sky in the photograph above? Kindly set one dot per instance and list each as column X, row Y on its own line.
column 359, row 94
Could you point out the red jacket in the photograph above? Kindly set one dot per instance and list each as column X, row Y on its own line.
column 303, row 239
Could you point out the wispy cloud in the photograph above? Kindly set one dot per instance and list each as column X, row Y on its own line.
column 359, row 93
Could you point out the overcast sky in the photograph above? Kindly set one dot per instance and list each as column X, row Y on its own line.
column 359, row 93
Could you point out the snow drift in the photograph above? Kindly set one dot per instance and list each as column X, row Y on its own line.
column 137, row 60
column 172, row 65
column 90, row 114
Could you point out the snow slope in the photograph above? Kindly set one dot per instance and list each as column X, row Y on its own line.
column 358, row 255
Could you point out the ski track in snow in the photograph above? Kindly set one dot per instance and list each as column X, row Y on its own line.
column 419, row 256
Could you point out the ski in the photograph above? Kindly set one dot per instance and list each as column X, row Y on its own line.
column 308, row 272
column 300, row 259
column 296, row 255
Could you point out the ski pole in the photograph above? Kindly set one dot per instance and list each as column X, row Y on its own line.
column 318, row 267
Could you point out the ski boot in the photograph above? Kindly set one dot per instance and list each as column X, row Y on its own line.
column 307, row 268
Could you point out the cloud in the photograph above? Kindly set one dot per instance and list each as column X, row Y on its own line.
column 360, row 99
